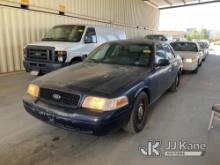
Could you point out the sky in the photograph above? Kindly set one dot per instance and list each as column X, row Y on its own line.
column 201, row 16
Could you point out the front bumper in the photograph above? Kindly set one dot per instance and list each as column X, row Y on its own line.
column 43, row 67
column 81, row 120
column 189, row 66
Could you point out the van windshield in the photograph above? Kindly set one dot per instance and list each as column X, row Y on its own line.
column 65, row 33
column 184, row 46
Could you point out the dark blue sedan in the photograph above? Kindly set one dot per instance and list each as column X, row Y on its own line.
column 113, row 88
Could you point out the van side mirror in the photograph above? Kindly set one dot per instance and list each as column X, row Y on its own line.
column 163, row 62
column 90, row 39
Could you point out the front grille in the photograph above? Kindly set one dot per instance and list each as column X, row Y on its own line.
column 39, row 53
column 59, row 98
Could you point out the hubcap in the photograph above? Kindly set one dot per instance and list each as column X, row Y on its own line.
column 140, row 112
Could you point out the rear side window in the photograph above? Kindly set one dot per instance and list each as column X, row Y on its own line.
column 160, row 53
column 169, row 52
column 184, row 46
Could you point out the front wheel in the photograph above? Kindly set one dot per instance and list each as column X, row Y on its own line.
column 138, row 117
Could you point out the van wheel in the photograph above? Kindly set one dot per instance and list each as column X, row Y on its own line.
column 175, row 85
column 138, row 116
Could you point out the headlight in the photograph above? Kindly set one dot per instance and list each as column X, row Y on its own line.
column 61, row 56
column 189, row 60
column 104, row 104
column 60, row 59
column 33, row 90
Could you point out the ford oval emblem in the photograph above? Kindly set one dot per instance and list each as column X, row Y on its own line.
column 56, row 96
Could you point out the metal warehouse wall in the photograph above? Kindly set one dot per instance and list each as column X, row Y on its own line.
column 19, row 27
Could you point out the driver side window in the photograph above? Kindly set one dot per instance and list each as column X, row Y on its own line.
column 160, row 53
column 90, row 36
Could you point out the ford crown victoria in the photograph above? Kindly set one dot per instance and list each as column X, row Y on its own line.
column 113, row 88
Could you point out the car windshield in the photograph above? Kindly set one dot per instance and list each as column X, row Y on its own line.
column 123, row 54
column 66, row 33
column 184, row 46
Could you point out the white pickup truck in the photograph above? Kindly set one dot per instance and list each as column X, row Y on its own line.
column 65, row 45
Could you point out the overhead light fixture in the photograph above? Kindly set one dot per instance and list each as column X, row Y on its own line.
column 62, row 9
column 24, row 4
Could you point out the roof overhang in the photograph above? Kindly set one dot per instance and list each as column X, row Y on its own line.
column 169, row 4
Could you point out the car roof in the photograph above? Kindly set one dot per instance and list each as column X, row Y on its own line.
column 137, row 41
column 185, row 42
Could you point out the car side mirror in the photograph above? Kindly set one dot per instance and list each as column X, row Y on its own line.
column 163, row 62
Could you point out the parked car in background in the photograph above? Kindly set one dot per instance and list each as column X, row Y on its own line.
column 205, row 49
column 113, row 88
column 191, row 54
column 65, row 45
column 157, row 37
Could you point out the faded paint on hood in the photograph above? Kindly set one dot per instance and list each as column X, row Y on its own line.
column 98, row 78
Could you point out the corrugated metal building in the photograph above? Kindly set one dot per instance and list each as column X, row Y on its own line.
column 19, row 27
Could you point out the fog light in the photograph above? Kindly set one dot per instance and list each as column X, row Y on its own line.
column 60, row 59
column 33, row 90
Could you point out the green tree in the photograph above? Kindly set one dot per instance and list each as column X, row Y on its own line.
column 198, row 34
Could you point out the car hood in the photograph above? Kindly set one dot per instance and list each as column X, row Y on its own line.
column 58, row 45
column 95, row 78
column 186, row 54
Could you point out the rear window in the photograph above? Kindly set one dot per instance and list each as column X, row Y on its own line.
column 203, row 45
column 184, row 46
column 155, row 37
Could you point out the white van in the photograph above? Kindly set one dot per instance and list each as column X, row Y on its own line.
column 65, row 45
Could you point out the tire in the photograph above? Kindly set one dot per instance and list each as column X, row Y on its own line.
column 175, row 85
column 138, row 117
column 200, row 64
column 27, row 70
column 197, row 69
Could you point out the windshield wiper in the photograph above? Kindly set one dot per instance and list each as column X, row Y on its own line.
column 47, row 39
column 94, row 60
